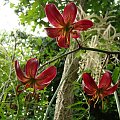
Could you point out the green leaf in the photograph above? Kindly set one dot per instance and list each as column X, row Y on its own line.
column 110, row 67
column 11, row 5
column 39, row 41
column 2, row 114
column 116, row 74
column 75, row 104
column 78, row 54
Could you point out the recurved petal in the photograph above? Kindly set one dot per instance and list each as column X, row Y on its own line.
column 63, row 41
column 83, row 25
column 31, row 67
column 21, row 76
column 17, row 89
column 88, row 91
column 111, row 90
column 53, row 32
column 53, row 15
column 46, row 76
column 105, row 81
column 89, row 82
column 69, row 13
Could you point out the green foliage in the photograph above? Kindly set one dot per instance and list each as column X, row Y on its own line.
column 31, row 11
column 100, row 7
column 116, row 74
column 22, row 46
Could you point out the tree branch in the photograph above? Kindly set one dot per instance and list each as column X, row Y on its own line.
column 99, row 50
column 81, row 48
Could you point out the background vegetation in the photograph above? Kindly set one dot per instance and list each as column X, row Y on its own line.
column 20, row 45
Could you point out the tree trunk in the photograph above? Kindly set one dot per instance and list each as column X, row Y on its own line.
column 65, row 96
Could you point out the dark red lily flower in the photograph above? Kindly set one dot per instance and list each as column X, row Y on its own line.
column 101, row 90
column 64, row 24
column 29, row 78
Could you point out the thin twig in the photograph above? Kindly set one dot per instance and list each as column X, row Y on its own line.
column 81, row 48
column 99, row 50
column 51, row 101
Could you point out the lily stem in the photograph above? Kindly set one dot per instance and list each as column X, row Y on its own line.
column 81, row 48
column 117, row 102
column 78, row 43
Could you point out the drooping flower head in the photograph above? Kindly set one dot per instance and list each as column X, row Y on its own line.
column 104, row 88
column 30, row 78
column 64, row 24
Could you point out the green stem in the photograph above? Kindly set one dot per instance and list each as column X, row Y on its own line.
column 117, row 102
column 50, row 103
